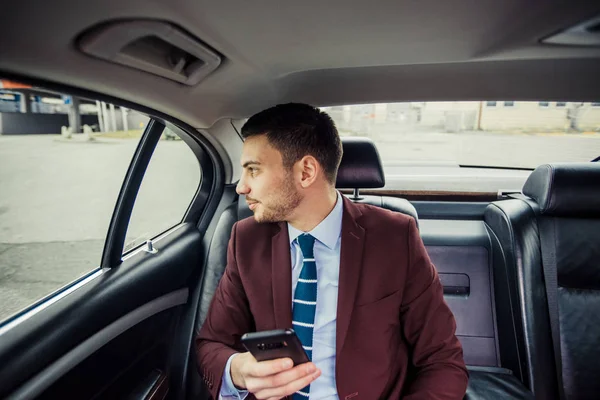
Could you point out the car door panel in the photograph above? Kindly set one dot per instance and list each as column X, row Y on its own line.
column 145, row 285
column 111, row 334
column 125, row 362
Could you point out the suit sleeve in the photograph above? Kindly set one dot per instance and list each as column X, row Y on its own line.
column 228, row 318
column 429, row 327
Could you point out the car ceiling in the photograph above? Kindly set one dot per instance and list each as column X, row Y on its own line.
column 320, row 52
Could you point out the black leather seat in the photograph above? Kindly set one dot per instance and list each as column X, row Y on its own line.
column 495, row 383
column 563, row 200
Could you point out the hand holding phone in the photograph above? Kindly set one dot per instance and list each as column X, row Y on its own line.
column 278, row 343
column 272, row 377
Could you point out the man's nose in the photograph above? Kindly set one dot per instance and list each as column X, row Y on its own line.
column 242, row 188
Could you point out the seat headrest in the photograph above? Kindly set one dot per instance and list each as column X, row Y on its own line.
column 361, row 166
column 566, row 189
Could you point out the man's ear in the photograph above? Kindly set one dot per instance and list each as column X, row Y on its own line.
column 309, row 170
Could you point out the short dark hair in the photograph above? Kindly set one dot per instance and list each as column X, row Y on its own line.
column 297, row 130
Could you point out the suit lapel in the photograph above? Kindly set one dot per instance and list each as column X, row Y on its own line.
column 353, row 236
column 281, row 277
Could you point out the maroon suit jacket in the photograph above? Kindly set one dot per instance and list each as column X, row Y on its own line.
column 395, row 335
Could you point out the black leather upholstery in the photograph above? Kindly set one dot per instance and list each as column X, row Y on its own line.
column 578, row 253
column 567, row 190
column 580, row 337
column 578, row 266
column 361, row 166
column 391, row 203
column 213, row 271
column 216, row 261
column 495, row 384
column 568, row 196
column 514, row 223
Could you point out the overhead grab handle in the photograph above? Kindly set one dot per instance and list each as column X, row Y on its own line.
column 152, row 46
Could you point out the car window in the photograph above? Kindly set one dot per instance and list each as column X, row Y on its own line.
column 62, row 164
column 169, row 185
column 476, row 146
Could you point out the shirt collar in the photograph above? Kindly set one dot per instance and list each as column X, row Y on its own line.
column 329, row 230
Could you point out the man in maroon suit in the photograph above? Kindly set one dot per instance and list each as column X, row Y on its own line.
column 379, row 329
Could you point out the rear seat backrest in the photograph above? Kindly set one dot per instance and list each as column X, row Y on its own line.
column 569, row 196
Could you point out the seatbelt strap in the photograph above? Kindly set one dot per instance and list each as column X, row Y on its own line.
column 548, row 242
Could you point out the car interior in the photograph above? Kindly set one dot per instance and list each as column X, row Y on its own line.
column 519, row 267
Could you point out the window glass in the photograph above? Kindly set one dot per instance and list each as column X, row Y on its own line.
column 62, row 164
column 470, row 145
column 169, row 185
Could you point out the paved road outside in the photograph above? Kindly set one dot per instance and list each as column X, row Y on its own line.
column 57, row 197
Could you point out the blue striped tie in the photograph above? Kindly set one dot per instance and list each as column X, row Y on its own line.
column 305, row 302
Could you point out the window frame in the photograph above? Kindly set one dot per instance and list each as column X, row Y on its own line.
column 119, row 223
column 194, row 210
column 200, row 211
column 113, row 254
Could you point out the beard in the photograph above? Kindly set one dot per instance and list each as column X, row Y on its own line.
column 278, row 207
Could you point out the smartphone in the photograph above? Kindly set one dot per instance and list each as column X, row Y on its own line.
column 278, row 343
